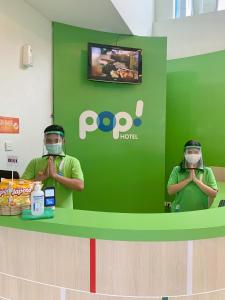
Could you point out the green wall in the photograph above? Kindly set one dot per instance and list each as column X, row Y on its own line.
column 196, row 107
column 120, row 175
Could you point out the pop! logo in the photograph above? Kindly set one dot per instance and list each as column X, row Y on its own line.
column 107, row 121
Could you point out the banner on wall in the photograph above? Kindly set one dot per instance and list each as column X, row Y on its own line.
column 9, row 125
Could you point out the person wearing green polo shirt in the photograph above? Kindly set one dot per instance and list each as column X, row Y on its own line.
column 193, row 184
column 56, row 169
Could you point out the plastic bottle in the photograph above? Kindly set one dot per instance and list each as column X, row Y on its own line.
column 37, row 200
column 177, row 209
column 10, row 192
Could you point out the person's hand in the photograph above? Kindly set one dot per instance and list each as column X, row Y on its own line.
column 42, row 175
column 51, row 167
column 192, row 176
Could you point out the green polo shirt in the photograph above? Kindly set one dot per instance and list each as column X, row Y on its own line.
column 67, row 166
column 191, row 197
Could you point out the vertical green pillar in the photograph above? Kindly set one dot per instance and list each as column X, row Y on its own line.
column 124, row 174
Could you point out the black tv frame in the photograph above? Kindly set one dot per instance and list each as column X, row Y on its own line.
column 109, row 78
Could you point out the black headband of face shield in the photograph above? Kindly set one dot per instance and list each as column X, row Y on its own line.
column 54, row 155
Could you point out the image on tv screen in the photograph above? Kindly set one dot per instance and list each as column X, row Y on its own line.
column 114, row 63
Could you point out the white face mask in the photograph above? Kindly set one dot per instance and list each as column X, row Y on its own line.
column 54, row 149
column 193, row 158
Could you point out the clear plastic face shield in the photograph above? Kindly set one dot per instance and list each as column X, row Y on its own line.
column 193, row 158
column 54, row 144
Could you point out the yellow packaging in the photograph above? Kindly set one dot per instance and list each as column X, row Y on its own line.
column 4, row 194
column 16, row 192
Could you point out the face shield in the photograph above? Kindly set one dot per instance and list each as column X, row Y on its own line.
column 192, row 158
column 54, row 144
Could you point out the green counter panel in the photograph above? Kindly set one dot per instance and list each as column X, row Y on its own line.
column 128, row 227
column 194, row 225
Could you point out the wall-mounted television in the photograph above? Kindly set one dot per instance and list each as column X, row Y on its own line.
column 114, row 63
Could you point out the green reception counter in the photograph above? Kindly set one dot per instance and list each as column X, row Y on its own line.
column 86, row 255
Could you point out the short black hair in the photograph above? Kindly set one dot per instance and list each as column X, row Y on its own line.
column 54, row 128
column 192, row 143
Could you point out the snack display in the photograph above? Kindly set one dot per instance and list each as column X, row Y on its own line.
column 14, row 196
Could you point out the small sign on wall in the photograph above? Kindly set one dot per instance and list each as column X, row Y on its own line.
column 9, row 125
column 12, row 161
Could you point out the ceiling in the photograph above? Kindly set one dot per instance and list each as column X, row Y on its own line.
column 94, row 14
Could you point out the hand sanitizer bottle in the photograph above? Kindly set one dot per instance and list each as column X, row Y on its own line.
column 177, row 209
column 37, row 200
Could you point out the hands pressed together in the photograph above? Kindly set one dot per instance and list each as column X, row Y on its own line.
column 50, row 170
column 192, row 176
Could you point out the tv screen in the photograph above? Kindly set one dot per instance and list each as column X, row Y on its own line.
column 114, row 63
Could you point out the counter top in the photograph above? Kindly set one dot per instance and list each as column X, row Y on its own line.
column 128, row 227
column 200, row 224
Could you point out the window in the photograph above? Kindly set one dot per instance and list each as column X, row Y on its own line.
column 186, row 8
column 220, row 4
column 182, row 8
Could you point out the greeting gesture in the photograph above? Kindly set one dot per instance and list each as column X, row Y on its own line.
column 46, row 168
column 51, row 167
column 42, row 175
column 192, row 175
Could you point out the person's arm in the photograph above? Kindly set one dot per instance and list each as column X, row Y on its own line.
column 210, row 201
column 210, row 192
column 42, row 175
column 30, row 173
column 210, row 187
column 70, row 183
column 173, row 188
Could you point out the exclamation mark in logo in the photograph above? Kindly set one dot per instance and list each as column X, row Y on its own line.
column 139, row 111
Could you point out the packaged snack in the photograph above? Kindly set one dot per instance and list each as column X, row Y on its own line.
column 16, row 192
column 4, row 197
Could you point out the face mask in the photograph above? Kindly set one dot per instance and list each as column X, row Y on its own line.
column 192, row 158
column 54, row 149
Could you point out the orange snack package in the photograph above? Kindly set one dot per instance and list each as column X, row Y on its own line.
column 16, row 192
column 4, row 194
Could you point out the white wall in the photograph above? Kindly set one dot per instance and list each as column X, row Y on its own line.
column 138, row 15
column 93, row 14
column 24, row 93
column 192, row 35
column 163, row 10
